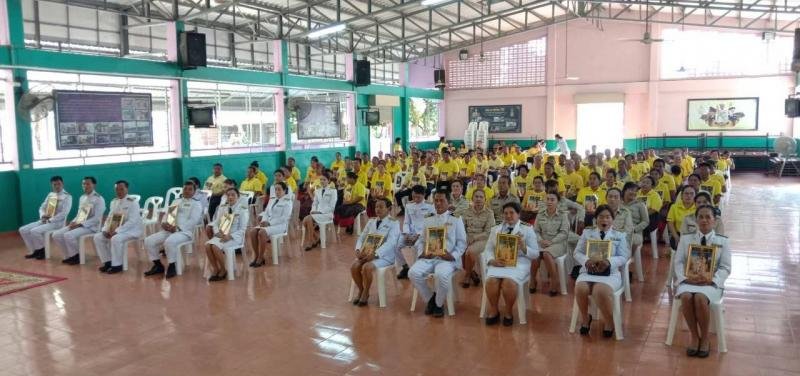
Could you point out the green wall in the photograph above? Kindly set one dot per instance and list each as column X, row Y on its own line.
column 9, row 190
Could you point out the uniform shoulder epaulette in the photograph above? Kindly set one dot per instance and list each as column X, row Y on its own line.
column 130, row 199
column 525, row 224
column 429, row 215
column 721, row 236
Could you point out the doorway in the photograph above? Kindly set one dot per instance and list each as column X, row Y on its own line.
column 600, row 125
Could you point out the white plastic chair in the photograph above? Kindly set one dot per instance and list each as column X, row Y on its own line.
column 172, row 194
column 617, row 313
column 48, row 243
column 275, row 239
column 380, row 276
column 230, row 261
column 451, row 297
column 323, row 233
column 149, row 212
column 654, row 243
column 671, row 272
column 637, row 257
column 562, row 272
column 83, row 240
column 522, row 296
column 139, row 243
column 717, row 318
column 626, row 279
column 137, row 198
column 185, row 247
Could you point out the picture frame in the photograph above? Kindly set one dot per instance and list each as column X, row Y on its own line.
column 371, row 244
column 701, row 261
column 83, row 214
column 435, row 241
column 531, row 202
column 51, row 206
column 171, row 217
column 590, row 203
column 115, row 221
column 598, row 249
column 506, row 249
column 722, row 114
column 226, row 222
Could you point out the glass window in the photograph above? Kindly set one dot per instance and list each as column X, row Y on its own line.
column 600, row 125
column 246, row 119
column 43, row 137
column 521, row 64
column 316, row 61
column 424, row 121
column 316, row 113
column 708, row 53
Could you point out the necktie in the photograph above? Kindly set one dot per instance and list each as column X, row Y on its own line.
column 703, row 241
column 508, row 230
column 378, row 225
column 230, row 210
column 602, row 235
column 323, row 192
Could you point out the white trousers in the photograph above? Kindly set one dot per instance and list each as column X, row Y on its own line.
column 169, row 240
column 68, row 239
column 33, row 234
column 113, row 249
column 443, row 270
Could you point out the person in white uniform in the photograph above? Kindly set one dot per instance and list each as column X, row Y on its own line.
column 111, row 242
column 442, row 267
column 600, row 277
column 189, row 214
column 229, row 241
column 413, row 225
column 696, row 293
column 49, row 219
column 505, row 278
column 321, row 210
column 274, row 221
column 91, row 207
column 563, row 148
column 379, row 255
column 200, row 196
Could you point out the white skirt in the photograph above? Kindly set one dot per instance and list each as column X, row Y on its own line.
column 713, row 293
column 276, row 230
column 322, row 217
column 614, row 280
column 229, row 245
column 518, row 274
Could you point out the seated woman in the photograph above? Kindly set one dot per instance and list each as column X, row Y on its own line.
column 623, row 221
column 506, row 278
column 381, row 185
column 354, row 201
column 639, row 215
column 478, row 222
column 321, row 210
column 457, row 201
column 689, row 224
column 231, row 239
column 695, row 291
column 600, row 277
column 370, row 256
column 552, row 230
column 683, row 206
column 274, row 221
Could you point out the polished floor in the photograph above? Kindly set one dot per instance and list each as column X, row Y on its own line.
column 293, row 319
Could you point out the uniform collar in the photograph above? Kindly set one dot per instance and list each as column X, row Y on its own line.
column 708, row 236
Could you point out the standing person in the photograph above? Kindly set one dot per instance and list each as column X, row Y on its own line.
column 215, row 183
column 187, row 213
column 111, row 242
column 321, row 211
column 91, row 207
column 397, row 148
column 52, row 216
column 274, row 220
column 478, row 221
column 562, row 146
column 442, row 266
column 381, row 256
column 230, row 240
column 413, row 225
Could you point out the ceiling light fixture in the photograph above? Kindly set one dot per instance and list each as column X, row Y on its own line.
column 427, row 3
column 325, row 31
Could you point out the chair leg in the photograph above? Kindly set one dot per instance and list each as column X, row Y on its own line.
column 618, row 317
column 573, row 322
column 323, row 235
column 637, row 256
column 48, row 244
column 719, row 317
column 673, row 321
column 179, row 261
column 381, row 277
column 626, row 280
column 654, row 243
column 522, row 305
column 302, row 236
column 484, row 301
column 230, row 263
column 562, row 274
column 82, row 250
column 274, row 251
column 352, row 291
column 414, row 300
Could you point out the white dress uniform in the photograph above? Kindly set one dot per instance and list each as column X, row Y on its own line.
column 563, row 147
column 390, row 229
column 241, row 217
column 456, row 244
column 68, row 239
column 190, row 214
column 202, row 198
column 413, row 224
column 33, row 233
column 277, row 214
column 272, row 194
column 518, row 273
column 324, row 203
column 131, row 228
column 723, row 262
column 619, row 256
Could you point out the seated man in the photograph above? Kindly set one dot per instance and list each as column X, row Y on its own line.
column 52, row 216
column 370, row 257
column 416, row 211
column 123, row 223
column 442, row 264
column 177, row 226
column 88, row 220
column 199, row 195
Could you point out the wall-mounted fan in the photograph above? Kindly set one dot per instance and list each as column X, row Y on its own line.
column 35, row 105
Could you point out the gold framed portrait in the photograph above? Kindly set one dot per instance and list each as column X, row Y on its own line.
column 115, row 221
column 225, row 223
column 598, row 249
column 531, row 202
column 506, row 249
column 590, row 203
column 83, row 214
column 371, row 244
column 378, row 189
column 521, row 187
column 51, row 206
column 701, row 262
column 435, row 241
column 171, row 217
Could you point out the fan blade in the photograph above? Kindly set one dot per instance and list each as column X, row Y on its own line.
column 629, row 40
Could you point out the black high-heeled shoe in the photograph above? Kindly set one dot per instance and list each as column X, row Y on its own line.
column 585, row 329
column 553, row 293
column 508, row 321
column 493, row 320
column 703, row 353
column 608, row 333
column 476, row 280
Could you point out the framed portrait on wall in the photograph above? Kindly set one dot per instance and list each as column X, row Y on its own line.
column 722, row 114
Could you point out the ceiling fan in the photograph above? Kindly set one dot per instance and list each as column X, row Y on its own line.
column 647, row 37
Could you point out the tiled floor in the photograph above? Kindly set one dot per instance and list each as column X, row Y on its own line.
column 293, row 319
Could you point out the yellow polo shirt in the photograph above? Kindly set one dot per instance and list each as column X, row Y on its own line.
column 253, row 185
column 677, row 212
column 338, row 165
column 587, row 191
column 652, row 200
column 357, row 190
column 486, row 190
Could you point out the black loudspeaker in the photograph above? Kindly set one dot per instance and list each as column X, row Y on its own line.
column 792, row 107
column 438, row 78
column 796, row 52
column 361, row 75
column 192, row 48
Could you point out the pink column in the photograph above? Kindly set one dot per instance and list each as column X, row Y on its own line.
column 280, row 120
column 172, row 42
column 348, row 67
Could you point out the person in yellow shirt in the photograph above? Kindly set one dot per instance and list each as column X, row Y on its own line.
column 611, row 180
column 666, row 178
column 380, row 187
column 537, row 168
column 312, row 172
column 397, row 148
column 448, row 168
column 260, row 175
column 290, row 181
column 531, row 198
column 416, row 176
column 354, row 201
column 467, row 167
column 662, row 189
column 479, row 184
column 338, row 163
column 708, row 184
column 678, row 212
column 518, row 156
column 392, row 167
column 361, row 172
column 252, row 183
column 593, row 189
column 480, row 163
column 582, row 169
column 442, row 145
column 280, row 176
column 506, row 157
column 495, row 164
column 650, row 198
column 294, row 172
column 522, row 181
column 573, row 181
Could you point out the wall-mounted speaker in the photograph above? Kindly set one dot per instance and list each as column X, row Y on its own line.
column 361, row 76
column 192, row 49
column 792, row 107
column 438, row 78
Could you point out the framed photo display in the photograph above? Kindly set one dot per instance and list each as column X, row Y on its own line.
column 722, row 114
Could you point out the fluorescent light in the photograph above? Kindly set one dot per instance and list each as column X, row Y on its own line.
column 427, row 3
column 325, row 31
column 573, row 78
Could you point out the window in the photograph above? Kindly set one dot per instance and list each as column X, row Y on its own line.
column 297, row 108
column 8, row 135
column 600, row 125
column 246, row 119
column 43, row 138
column 424, row 123
column 511, row 66
column 385, row 73
column 316, row 61
column 705, row 53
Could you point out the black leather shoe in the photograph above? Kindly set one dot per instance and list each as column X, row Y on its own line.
column 476, row 280
column 363, row 303
column 493, row 320
column 585, row 329
column 39, row 254
column 171, row 271
column 431, row 305
column 105, row 267
column 30, row 255
column 608, row 333
column 691, row 352
column 438, row 311
column 114, row 270
column 508, row 321
column 532, row 290
column 156, row 269
column 403, row 273
column 74, row 260
column 553, row 293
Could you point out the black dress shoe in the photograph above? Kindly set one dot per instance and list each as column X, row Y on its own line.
column 403, row 273
column 585, row 329
column 431, row 305
column 608, row 333
column 30, row 255
column 156, row 269
column 356, row 301
column 363, row 303
column 508, row 321
column 39, row 254
column 532, row 290
column 171, row 271
column 476, row 280
column 493, row 320
column 702, row 353
column 105, row 267
column 349, row 230
column 691, row 352
column 437, row 311
column 114, row 270
column 553, row 293
column 74, row 260
column 465, row 285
